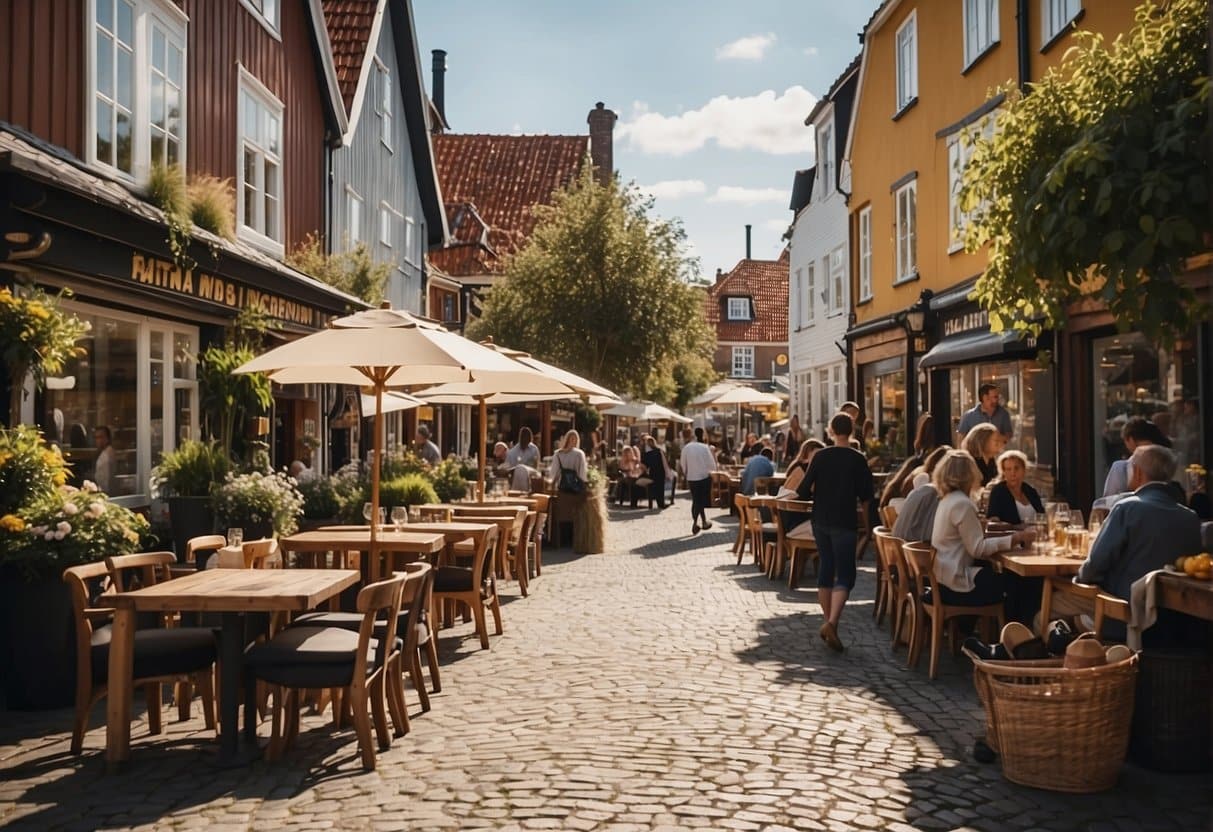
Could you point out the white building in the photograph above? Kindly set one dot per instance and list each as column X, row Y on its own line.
column 819, row 272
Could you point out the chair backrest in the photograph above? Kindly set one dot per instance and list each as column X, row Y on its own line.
column 81, row 581
column 1109, row 606
column 130, row 572
column 380, row 600
column 765, row 485
column 888, row 516
column 204, row 544
column 417, row 596
column 919, row 557
column 742, row 502
column 259, row 554
column 527, row 531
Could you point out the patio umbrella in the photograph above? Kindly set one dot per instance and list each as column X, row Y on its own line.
column 382, row 348
column 737, row 394
column 643, row 411
column 392, row 403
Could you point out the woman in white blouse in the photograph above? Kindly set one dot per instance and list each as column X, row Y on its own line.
column 570, row 457
column 959, row 574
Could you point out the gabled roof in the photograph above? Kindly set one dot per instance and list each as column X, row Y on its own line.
column 802, row 188
column 500, row 179
column 765, row 282
column 350, row 24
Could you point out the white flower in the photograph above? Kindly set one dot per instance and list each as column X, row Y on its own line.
column 59, row 535
column 64, row 527
column 96, row 508
column 70, row 509
column 49, row 536
column 38, row 531
column 89, row 486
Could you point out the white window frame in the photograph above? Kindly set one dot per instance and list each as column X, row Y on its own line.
column 354, row 204
column 147, row 15
column 825, row 157
column 387, row 223
column 271, row 22
column 865, row 253
column 738, row 309
column 254, row 233
column 906, row 49
column 384, row 103
column 1055, row 16
column 410, row 240
column 810, row 277
column 743, row 355
column 980, row 28
column 905, row 237
column 960, row 150
column 838, row 279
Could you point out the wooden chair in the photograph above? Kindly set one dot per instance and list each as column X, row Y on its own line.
column 888, row 516
column 885, row 567
column 903, row 603
column 1109, row 606
column 160, row 655
column 776, row 559
column 742, row 504
column 261, row 554
column 306, row 656
column 541, row 519
column 1066, row 586
column 800, row 548
column 920, row 560
column 204, row 545
column 474, row 585
column 509, row 520
column 518, row 552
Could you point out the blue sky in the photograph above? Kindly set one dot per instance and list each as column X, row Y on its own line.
column 711, row 96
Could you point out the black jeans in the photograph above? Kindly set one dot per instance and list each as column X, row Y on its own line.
column 701, row 495
column 656, row 492
column 987, row 589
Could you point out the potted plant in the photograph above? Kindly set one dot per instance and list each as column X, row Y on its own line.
column 45, row 527
column 36, row 338
column 262, row 504
column 185, row 478
column 449, row 484
column 322, row 501
column 408, row 490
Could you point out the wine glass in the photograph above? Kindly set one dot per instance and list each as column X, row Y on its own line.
column 366, row 512
column 235, row 537
column 400, row 515
column 382, row 516
column 1076, row 518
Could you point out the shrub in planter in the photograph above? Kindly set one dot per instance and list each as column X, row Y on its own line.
column 321, row 498
column 185, row 478
column 259, row 503
column 449, row 483
column 409, row 490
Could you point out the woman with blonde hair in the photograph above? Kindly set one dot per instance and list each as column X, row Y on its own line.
column 799, row 465
column 1012, row 500
column 568, row 466
column 985, row 442
column 629, row 472
column 959, row 573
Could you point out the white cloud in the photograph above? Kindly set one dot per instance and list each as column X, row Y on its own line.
column 811, row 51
column 750, row 48
column 778, row 226
column 765, row 122
column 675, row 188
column 748, row 196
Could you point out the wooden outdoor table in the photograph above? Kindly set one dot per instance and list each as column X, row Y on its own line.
column 1028, row 564
column 231, row 592
column 1186, row 595
column 452, row 532
column 346, row 538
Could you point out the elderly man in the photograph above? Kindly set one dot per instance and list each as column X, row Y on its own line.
column 426, row 449
column 1142, row 533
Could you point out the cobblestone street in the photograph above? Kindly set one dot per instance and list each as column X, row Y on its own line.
column 657, row 686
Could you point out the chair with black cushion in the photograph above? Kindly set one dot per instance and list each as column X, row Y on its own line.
column 309, row 657
column 160, row 654
column 474, row 586
column 198, row 549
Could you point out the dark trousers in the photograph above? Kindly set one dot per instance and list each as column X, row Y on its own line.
column 987, row 589
column 656, row 492
column 701, row 494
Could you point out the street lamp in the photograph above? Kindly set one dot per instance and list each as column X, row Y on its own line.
column 915, row 320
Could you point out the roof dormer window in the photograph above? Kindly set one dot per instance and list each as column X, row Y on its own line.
column 739, row 309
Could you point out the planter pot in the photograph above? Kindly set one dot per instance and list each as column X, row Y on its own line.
column 189, row 517
column 38, row 651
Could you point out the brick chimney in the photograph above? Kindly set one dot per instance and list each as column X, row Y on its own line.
column 438, row 76
column 602, row 130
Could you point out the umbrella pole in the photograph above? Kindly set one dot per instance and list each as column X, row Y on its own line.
column 484, row 433
column 372, row 573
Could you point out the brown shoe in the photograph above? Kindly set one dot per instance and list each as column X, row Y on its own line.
column 830, row 636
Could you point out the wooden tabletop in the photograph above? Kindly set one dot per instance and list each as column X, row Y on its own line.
column 448, row 529
column 1185, row 594
column 1028, row 564
column 321, row 540
column 240, row 590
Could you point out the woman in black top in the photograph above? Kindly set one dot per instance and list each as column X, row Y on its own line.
column 984, row 443
column 1011, row 499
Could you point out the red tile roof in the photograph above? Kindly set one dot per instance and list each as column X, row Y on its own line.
column 765, row 282
column 349, row 26
column 500, row 179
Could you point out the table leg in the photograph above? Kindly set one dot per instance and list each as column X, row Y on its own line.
column 231, row 666
column 118, row 697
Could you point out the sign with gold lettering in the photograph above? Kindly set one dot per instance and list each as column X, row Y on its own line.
column 966, row 322
column 167, row 275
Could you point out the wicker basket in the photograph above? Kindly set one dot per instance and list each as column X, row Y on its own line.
column 981, row 681
column 1057, row 729
column 1172, row 719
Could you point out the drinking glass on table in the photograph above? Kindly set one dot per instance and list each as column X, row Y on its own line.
column 367, row 508
column 1076, row 518
column 400, row 515
column 382, row 516
column 235, row 537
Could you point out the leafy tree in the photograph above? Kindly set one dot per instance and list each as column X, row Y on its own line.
column 1096, row 183
column 354, row 271
column 600, row 288
column 692, row 375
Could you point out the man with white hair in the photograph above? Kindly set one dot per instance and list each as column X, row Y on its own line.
column 1143, row 532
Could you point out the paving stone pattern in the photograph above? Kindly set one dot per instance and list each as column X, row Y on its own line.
column 658, row 686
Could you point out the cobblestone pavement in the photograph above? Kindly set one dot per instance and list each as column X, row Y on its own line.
column 658, row 686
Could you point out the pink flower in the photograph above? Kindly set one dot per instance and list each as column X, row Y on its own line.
column 70, row 509
column 49, row 535
column 64, row 527
column 89, row 485
column 58, row 535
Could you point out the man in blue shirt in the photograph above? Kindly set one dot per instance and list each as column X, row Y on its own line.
column 759, row 465
column 988, row 409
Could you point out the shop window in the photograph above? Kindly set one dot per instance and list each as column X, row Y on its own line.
column 884, row 396
column 259, row 208
column 743, row 362
column 1134, row 378
column 131, row 396
column 137, row 78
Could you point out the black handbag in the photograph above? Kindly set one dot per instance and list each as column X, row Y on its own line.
column 569, row 483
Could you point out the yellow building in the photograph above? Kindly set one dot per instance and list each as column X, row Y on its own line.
column 929, row 75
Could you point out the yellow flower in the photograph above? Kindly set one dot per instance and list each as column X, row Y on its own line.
column 131, row 536
column 12, row 523
column 60, row 478
column 5, row 456
column 38, row 311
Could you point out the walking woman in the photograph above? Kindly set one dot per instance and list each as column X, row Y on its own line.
column 792, row 442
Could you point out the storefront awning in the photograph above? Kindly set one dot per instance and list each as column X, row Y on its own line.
column 972, row 346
